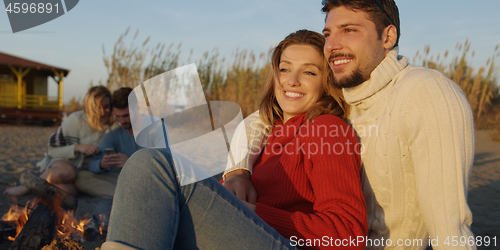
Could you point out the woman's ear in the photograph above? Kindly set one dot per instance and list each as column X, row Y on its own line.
column 390, row 35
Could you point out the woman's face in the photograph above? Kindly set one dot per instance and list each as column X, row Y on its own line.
column 300, row 80
column 105, row 108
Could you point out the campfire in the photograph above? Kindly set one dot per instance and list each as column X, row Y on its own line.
column 13, row 221
column 52, row 216
column 88, row 227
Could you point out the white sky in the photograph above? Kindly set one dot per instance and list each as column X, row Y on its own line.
column 74, row 40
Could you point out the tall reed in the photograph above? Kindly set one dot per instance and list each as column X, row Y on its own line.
column 130, row 65
column 479, row 85
column 241, row 80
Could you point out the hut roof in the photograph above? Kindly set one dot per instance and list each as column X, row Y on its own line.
column 6, row 60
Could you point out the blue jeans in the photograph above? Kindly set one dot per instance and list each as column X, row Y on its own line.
column 152, row 211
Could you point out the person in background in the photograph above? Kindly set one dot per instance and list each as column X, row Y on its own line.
column 74, row 143
column 104, row 168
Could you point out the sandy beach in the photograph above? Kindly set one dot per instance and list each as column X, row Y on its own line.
column 22, row 146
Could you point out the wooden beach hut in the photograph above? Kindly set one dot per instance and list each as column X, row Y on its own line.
column 24, row 91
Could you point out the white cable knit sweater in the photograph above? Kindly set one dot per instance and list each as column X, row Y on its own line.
column 417, row 134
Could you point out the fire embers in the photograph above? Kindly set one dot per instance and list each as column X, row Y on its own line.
column 59, row 244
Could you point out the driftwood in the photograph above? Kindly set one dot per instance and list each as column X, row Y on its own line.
column 46, row 190
column 91, row 229
column 38, row 230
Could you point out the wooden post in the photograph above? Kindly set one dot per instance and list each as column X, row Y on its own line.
column 20, row 73
column 59, row 80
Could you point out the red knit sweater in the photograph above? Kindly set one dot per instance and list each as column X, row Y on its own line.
column 308, row 183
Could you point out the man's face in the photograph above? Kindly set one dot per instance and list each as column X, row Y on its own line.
column 352, row 46
column 123, row 117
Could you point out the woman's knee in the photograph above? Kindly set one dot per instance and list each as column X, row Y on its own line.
column 61, row 171
column 150, row 157
column 147, row 163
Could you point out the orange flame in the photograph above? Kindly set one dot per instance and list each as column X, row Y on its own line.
column 18, row 216
column 71, row 228
column 102, row 226
column 67, row 225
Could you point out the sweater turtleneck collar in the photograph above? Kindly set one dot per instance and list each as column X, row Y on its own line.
column 379, row 78
column 284, row 133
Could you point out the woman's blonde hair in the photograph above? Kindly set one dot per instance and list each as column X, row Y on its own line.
column 331, row 103
column 93, row 107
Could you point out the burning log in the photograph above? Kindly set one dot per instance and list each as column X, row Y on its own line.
column 52, row 218
column 7, row 229
column 91, row 229
column 38, row 230
column 40, row 226
column 46, row 190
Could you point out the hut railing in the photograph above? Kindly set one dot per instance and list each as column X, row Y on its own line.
column 29, row 101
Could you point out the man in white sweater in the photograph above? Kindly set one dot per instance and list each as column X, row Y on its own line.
column 415, row 127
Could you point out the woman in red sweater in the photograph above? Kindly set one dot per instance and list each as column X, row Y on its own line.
column 307, row 178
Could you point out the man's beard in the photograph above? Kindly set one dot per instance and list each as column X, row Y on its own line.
column 127, row 125
column 355, row 79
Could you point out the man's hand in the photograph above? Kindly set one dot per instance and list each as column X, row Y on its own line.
column 117, row 160
column 249, row 205
column 105, row 161
column 87, row 149
column 238, row 182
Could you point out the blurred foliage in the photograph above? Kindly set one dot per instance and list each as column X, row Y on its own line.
column 130, row 65
column 241, row 80
column 73, row 105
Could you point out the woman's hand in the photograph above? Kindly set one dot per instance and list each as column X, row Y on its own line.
column 238, row 182
column 87, row 149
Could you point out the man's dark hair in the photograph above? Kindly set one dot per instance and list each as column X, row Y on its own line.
column 120, row 98
column 382, row 12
